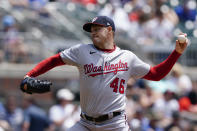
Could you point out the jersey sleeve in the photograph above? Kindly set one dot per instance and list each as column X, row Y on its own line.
column 138, row 67
column 71, row 55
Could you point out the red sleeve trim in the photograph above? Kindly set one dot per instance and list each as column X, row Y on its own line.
column 46, row 65
column 159, row 71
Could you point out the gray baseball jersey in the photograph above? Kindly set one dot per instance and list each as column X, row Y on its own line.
column 103, row 76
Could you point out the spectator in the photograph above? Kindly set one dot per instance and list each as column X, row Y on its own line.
column 15, row 50
column 187, row 10
column 14, row 114
column 4, row 125
column 9, row 26
column 35, row 118
column 139, row 121
column 188, row 102
column 151, row 23
column 64, row 114
column 148, row 97
column 175, row 122
column 153, row 124
column 167, row 105
column 138, row 20
column 192, row 95
column 159, row 29
column 182, row 81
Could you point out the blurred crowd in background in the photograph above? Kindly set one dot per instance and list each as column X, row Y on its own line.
column 145, row 22
column 167, row 105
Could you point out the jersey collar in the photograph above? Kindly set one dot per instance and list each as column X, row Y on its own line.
column 106, row 50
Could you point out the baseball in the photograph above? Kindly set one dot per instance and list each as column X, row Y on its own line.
column 182, row 38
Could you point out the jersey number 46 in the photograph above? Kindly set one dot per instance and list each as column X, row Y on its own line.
column 115, row 84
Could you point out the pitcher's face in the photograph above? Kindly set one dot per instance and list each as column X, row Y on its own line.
column 99, row 34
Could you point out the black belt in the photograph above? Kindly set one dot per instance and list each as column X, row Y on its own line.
column 100, row 118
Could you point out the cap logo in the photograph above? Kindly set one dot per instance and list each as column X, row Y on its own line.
column 94, row 19
column 108, row 23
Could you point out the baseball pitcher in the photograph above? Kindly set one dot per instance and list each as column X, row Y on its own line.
column 104, row 71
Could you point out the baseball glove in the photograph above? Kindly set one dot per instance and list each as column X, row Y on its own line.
column 31, row 85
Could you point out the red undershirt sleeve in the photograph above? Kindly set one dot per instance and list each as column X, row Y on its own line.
column 159, row 71
column 46, row 65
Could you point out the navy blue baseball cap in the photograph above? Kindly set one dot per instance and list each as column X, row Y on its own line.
column 100, row 20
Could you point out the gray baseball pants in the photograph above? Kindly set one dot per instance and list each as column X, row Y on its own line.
column 117, row 123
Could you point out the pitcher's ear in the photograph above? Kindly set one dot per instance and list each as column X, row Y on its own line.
column 109, row 28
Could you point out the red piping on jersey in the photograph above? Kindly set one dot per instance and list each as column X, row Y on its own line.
column 159, row 71
column 96, row 74
column 46, row 65
column 156, row 73
column 106, row 50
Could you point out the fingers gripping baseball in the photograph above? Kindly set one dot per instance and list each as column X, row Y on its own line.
column 181, row 43
column 31, row 85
